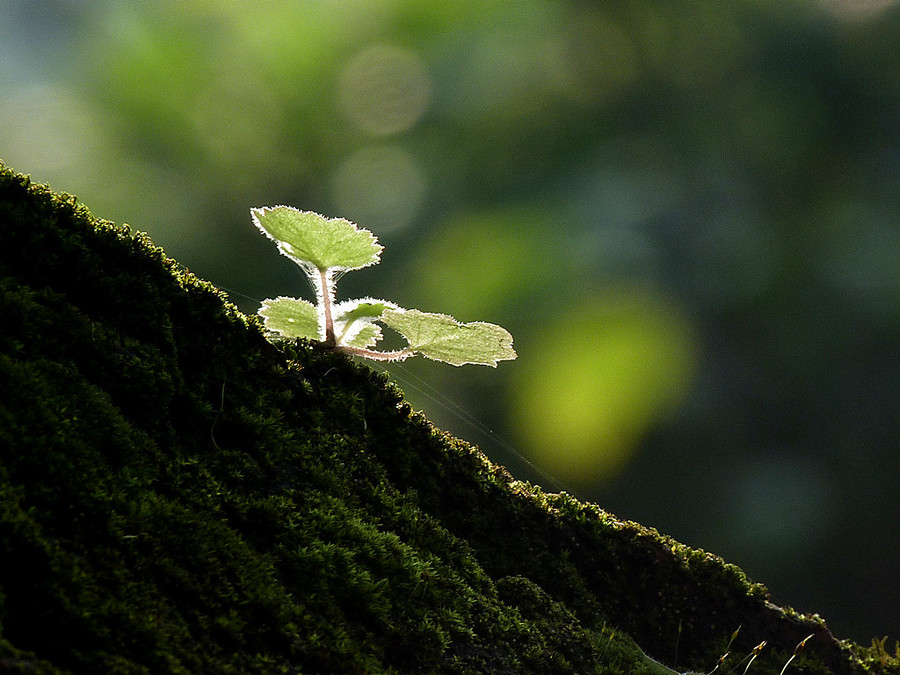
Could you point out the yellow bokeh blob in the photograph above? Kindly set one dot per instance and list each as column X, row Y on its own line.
column 478, row 261
column 593, row 382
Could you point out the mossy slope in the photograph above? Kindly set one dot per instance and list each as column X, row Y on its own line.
column 178, row 495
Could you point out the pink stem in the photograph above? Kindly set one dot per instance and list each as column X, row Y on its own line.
column 398, row 355
column 327, row 299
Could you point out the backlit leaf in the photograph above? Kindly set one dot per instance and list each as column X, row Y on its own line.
column 316, row 242
column 442, row 338
column 353, row 321
column 291, row 317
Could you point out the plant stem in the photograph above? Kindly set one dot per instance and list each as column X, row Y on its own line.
column 799, row 649
column 375, row 355
column 327, row 299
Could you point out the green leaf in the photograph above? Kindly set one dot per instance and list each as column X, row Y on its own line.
column 353, row 321
column 316, row 242
column 365, row 337
column 291, row 317
column 442, row 338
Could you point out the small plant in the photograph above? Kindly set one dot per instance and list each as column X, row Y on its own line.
column 325, row 248
column 799, row 648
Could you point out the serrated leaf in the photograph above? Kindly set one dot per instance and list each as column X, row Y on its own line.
column 442, row 338
column 353, row 321
column 291, row 317
column 366, row 336
column 314, row 241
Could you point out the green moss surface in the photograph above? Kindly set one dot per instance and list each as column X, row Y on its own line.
column 178, row 495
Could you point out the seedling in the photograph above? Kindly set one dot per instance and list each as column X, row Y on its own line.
column 326, row 248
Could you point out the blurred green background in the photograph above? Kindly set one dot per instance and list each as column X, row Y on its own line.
column 687, row 214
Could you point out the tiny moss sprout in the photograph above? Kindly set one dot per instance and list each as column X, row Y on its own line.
column 799, row 649
column 748, row 659
column 325, row 248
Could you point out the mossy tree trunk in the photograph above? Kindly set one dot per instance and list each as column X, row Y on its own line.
column 179, row 495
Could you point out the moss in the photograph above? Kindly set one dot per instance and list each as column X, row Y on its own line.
column 179, row 495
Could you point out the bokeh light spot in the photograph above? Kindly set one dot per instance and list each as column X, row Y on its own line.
column 385, row 89
column 597, row 59
column 237, row 119
column 775, row 506
column 481, row 260
column 382, row 187
column 857, row 9
column 594, row 381
column 47, row 125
